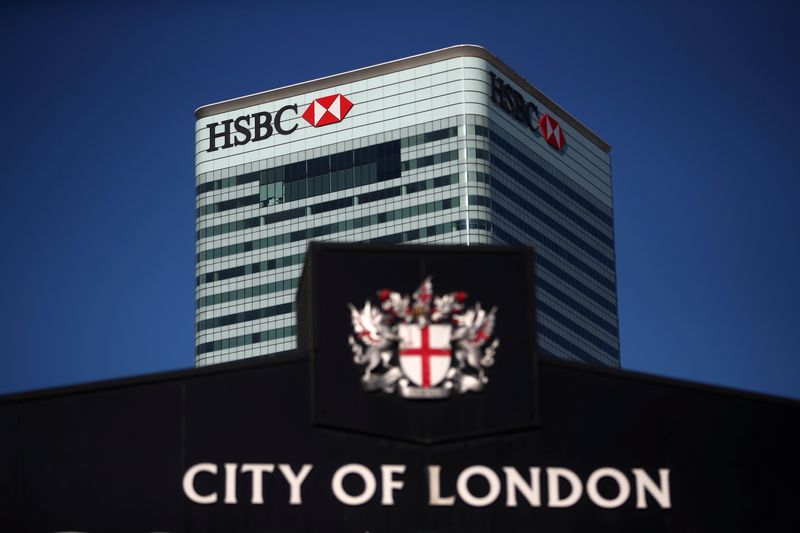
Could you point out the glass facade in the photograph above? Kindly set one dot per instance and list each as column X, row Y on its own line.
column 469, row 177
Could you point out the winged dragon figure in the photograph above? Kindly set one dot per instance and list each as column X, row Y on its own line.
column 473, row 329
column 370, row 325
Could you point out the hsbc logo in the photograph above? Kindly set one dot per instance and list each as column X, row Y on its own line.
column 327, row 110
column 261, row 126
column 551, row 131
column 513, row 103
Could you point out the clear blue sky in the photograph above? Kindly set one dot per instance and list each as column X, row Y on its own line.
column 699, row 101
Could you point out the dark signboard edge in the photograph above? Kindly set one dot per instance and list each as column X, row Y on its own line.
column 300, row 357
column 244, row 365
column 675, row 383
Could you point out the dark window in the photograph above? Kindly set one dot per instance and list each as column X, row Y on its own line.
column 542, row 240
column 244, row 340
column 571, row 347
column 245, row 316
column 228, row 204
column 576, row 306
column 559, row 183
column 329, row 206
column 342, row 161
column 318, row 166
column 562, row 209
column 285, row 215
column 555, row 270
column 299, row 235
column 386, row 156
column 272, row 175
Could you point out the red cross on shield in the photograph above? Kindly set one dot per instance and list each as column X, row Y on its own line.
column 425, row 353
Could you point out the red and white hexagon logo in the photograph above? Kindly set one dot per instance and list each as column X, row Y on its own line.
column 551, row 131
column 327, row 110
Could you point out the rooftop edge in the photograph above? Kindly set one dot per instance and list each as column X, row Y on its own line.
column 461, row 50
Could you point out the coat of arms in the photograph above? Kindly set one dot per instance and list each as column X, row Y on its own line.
column 423, row 346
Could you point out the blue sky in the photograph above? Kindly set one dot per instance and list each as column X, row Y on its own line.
column 697, row 99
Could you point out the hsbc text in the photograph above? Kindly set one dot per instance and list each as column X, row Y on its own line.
column 263, row 125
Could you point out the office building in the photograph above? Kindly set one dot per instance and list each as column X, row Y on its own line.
column 450, row 146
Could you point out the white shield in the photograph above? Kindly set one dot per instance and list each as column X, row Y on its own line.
column 425, row 353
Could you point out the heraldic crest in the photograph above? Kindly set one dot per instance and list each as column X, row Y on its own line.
column 423, row 346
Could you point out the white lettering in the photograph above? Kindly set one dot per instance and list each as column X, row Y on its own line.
column 389, row 484
column 599, row 499
column 660, row 493
column 188, row 483
column 295, row 481
column 366, row 476
column 257, row 470
column 530, row 490
column 230, row 483
column 434, row 488
column 554, row 498
column 564, row 487
column 462, row 486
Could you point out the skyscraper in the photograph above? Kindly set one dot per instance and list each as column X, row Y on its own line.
column 450, row 146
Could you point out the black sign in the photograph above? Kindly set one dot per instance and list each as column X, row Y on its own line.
column 247, row 447
column 364, row 379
